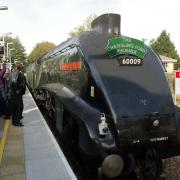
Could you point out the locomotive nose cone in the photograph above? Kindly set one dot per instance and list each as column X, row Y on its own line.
column 112, row 166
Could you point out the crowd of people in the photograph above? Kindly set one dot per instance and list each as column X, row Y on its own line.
column 12, row 88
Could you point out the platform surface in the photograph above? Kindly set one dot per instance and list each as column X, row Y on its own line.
column 31, row 152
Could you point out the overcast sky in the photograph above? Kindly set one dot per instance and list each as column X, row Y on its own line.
column 35, row 21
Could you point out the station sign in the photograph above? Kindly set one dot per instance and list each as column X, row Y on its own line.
column 177, row 74
column 177, row 85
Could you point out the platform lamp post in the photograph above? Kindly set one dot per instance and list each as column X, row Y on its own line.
column 7, row 49
column 10, row 60
column 3, row 8
column 5, row 34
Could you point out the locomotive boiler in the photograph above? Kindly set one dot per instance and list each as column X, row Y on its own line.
column 110, row 100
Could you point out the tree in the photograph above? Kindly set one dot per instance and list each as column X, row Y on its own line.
column 39, row 50
column 18, row 51
column 84, row 27
column 164, row 46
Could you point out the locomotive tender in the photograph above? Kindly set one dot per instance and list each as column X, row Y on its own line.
column 110, row 98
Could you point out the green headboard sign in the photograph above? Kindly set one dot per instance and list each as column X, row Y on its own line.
column 124, row 45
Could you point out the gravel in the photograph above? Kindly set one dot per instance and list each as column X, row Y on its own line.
column 171, row 168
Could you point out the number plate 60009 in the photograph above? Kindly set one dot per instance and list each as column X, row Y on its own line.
column 129, row 61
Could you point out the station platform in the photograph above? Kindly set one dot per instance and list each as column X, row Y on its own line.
column 31, row 152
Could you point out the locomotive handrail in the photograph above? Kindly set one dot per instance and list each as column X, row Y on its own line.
column 62, row 50
column 56, row 53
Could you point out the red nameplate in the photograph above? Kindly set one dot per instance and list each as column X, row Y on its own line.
column 70, row 66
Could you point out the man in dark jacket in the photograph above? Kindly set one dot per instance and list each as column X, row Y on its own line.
column 17, row 90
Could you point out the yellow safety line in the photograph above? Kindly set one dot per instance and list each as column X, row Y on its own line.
column 3, row 140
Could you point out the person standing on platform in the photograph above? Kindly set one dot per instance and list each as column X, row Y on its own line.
column 2, row 90
column 7, row 93
column 17, row 90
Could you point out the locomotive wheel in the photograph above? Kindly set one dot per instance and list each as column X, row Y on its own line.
column 51, row 108
column 150, row 168
column 153, row 164
column 70, row 132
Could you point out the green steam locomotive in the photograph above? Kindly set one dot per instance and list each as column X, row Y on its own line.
column 110, row 99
